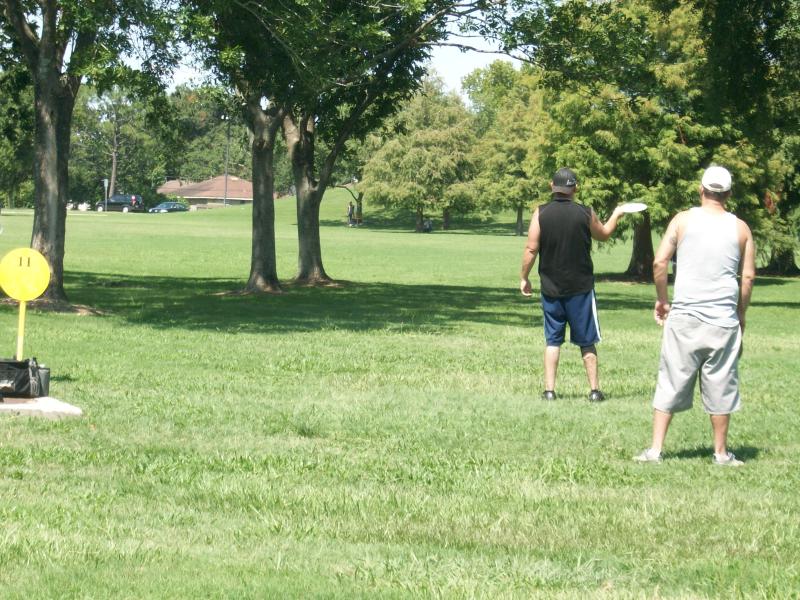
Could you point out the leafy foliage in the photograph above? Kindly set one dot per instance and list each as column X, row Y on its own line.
column 16, row 135
column 703, row 82
column 510, row 155
column 427, row 166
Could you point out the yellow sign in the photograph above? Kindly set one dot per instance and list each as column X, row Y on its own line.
column 24, row 274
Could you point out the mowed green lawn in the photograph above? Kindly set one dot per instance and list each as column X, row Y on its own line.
column 381, row 439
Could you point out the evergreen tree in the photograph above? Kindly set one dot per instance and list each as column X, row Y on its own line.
column 509, row 157
column 425, row 168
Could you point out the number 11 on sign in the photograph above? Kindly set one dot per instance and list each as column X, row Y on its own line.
column 24, row 275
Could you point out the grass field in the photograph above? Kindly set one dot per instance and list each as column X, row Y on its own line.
column 382, row 439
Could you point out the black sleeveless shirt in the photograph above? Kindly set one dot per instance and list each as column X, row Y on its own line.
column 565, row 246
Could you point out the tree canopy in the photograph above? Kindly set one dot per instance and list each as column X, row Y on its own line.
column 426, row 167
column 667, row 88
column 61, row 44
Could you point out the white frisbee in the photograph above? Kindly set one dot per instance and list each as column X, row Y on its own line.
column 633, row 207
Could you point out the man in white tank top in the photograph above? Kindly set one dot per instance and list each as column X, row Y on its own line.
column 703, row 326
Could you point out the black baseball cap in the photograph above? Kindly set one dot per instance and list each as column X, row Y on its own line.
column 564, row 181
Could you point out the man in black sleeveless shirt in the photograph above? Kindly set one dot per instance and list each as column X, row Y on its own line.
column 561, row 234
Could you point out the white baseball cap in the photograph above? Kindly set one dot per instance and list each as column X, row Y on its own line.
column 716, row 179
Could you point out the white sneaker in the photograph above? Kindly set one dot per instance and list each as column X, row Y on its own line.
column 729, row 460
column 648, row 456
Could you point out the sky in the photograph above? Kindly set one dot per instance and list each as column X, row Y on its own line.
column 450, row 63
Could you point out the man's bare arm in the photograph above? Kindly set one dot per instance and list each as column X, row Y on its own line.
column 602, row 231
column 748, row 270
column 665, row 252
column 529, row 254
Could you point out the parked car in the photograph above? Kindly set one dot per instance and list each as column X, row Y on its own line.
column 121, row 202
column 168, row 207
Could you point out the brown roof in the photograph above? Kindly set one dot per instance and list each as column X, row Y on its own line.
column 173, row 186
column 210, row 189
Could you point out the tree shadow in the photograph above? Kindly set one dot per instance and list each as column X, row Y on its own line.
column 767, row 272
column 196, row 303
column 745, row 453
column 764, row 281
column 790, row 305
column 612, row 301
column 623, row 278
column 404, row 222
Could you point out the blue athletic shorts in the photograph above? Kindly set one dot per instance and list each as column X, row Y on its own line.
column 580, row 311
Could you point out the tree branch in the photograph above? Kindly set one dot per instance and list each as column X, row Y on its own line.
column 84, row 42
column 468, row 48
column 248, row 6
column 25, row 35
column 344, row 134
column 349, row 190
column 461, row 9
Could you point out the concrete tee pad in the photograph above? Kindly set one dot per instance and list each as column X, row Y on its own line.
column 46, row 407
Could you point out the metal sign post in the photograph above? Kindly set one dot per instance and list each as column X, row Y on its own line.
column 227, row 152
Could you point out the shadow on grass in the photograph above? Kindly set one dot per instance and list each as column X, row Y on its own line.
column 200, row 303
column 745, row 453
column 765, row 281
column 196, row 303
column 404, row 222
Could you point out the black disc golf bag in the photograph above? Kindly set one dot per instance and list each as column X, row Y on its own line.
column 23, row 378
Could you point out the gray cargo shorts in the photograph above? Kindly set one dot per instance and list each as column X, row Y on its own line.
column 690, row 346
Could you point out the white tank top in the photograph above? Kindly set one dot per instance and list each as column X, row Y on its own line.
column 706, row 283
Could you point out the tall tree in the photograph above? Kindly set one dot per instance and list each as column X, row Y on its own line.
column 488, row 90
column 237, row 45
column 327, row 70
column 428, row 165
column 372, row 55
column 115, row 139
column 725, row 72
column 16, row 137
column 510, row 163
column 625, row 74
column 103, row 126
column 752, row 80
column 61, row 42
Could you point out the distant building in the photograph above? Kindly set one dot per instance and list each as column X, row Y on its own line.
column 171, row 187
column 210, row 191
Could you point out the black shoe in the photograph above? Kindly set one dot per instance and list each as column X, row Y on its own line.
column 548, row 395
column 596, row 396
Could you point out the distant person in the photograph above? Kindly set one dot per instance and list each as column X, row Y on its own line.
column 561, row 234
column 427, row 226
column 704, row 325
column 350, row 213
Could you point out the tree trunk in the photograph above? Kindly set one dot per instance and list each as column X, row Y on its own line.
column 54, row 102
column 641, row 264
column 263, row 261
column 112, row 180
column 520, row 222
column 299, row 135
column 309, row 265
column 420, row 220
column 782, row 262
column 446, row 219
column 360, row 208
